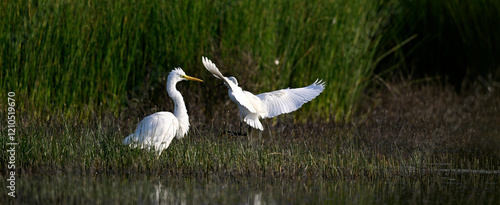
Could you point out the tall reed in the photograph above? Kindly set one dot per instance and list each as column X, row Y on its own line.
column 68, row 56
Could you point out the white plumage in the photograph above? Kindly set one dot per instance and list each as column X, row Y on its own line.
column 266, row 105
column 156, row 131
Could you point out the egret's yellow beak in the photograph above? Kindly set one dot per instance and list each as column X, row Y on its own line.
column 192, row 78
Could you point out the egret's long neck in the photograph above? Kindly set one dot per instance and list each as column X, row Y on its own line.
column 180, row 110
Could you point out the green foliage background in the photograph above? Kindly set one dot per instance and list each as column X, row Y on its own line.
column 83, row 57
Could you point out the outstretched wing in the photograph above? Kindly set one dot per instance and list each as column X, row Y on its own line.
column 288, row 100
column 212, row 68
column 237, row 91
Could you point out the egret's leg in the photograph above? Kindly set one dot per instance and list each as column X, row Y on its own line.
column 239, row 133
column 246, row 129
column 240, row 127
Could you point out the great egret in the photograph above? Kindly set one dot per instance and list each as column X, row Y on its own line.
column 157, row 130
column 265, row 105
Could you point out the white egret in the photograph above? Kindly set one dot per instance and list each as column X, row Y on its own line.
column 156, row 131
column 265, row 105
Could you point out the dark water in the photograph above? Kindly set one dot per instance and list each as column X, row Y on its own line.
column 458, row 189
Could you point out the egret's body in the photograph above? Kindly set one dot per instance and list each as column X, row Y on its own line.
column 157, row 131
column 265, row 105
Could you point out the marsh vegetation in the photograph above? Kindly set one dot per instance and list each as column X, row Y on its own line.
column 387, row 128
column 401, row 152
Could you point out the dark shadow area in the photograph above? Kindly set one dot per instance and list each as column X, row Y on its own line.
column 456, row 40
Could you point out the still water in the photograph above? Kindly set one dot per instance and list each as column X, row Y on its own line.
column 230, row 190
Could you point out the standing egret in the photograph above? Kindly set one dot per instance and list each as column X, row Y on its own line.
column 157, row 130
column 265, row 105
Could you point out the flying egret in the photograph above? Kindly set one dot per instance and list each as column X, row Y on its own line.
column 265, row 105
column 157, row 130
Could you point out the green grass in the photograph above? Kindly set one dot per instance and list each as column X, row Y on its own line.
column 88, row 57
column 405, row 151
column 85, row 73
column 70, row 56
column 95, row 150
column 77, row 64
column 377, row 149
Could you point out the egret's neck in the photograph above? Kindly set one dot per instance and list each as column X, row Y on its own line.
column 180, row 110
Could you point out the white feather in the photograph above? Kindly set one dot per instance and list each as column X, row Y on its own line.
column 266, row 105
column 157, row 131
column 288, row 100
column 235, row 91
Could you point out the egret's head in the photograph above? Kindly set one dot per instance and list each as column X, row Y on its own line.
column 233, row 79
column 178, row 74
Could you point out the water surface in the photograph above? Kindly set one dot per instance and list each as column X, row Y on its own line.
column 453, row 189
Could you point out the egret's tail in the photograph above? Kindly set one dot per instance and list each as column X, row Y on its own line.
column 253, row 120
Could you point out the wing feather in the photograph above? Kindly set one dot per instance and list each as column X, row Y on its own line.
column 237, row 91
column 288, row 100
